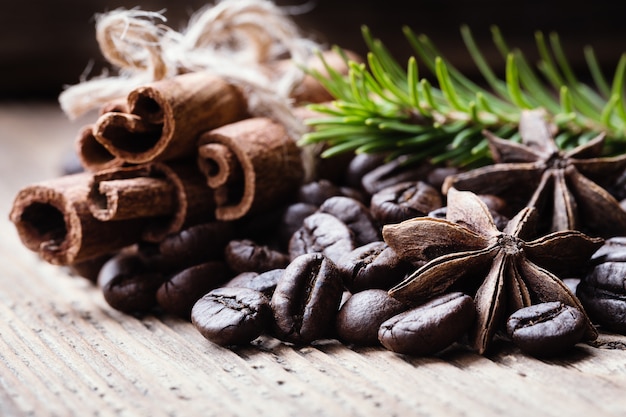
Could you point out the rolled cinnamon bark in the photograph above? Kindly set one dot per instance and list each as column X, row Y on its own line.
column 165, row 196
column 165, row 117
column 131, row 193
column 93, row 156
column 253, row 165
column 53, row 219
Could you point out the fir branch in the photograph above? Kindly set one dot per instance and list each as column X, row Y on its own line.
column 384, row 108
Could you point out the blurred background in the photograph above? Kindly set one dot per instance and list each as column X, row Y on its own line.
column 45, row 45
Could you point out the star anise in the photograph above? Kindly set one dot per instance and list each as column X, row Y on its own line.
column 506, row 270
column 536, row 173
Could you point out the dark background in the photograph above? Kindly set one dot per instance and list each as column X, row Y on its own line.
column 45, row 44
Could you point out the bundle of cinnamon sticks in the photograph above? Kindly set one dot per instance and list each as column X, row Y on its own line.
column 174, row 153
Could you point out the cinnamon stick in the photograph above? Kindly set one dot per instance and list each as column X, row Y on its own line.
column 253, row 165
column 92, row 155
column 130, row 193
column 53, row 219
column 165, row 117
column 168, row 196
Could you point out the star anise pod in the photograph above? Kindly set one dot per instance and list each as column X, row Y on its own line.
column 536, row 173
column 506, row 270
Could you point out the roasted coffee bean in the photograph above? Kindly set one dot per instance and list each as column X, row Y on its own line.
column 316, row 192
column 128, row 285
column 360, row 165
column 394, row 172
column 613, row 250
column 333, row 168
column 345, row 296
column 403, row 201
column 356, row 216
column 241, row 279
column 292, row 219
column 231, row 316
column 306, row 299
column 360, row 317
column 603, row 293
column 546, row 329
column 438, row 175
column 322, row 233
column 260, row 227
column 603, row 307
column 264, row 282
column 374, row 265
column 178, row 294
column 430, row 327
column 498, row 208
column 245, row 255
column 196, row 244
column 494, row 203
column 358, row 195
column 572, row 283
column 439, row 213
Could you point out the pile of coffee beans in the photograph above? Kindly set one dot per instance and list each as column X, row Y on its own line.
column 603, row 290
column 317, row 268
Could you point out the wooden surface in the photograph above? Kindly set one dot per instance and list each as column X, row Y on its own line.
column 64, row 352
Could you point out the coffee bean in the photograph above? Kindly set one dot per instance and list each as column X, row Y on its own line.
column 242, row 279
column 355, row 215
column 260, row 227
column 430, row 327
column 604, row 307
column 572, row 283
column 231, row 316
column 546, row 329
column 358, row 195
column 306, row 299
column 360, row 317
column 374, row 265
column 498, row 208
column 494, row 203
column 264, row 282
column 360, row 165
column 438, row 175
column 333, row 168
column 245, row 255
column 439, row 213
column 393, row 172
column 316, row 192
column 196, row 244
column 322, row 233
column 345, row 296
column 603, row 291
column 128, row 284
column 403, row 201
column 613, row 250
column 178, row 294
column 292, row 219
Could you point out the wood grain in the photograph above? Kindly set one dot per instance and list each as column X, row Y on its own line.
column 64, row 352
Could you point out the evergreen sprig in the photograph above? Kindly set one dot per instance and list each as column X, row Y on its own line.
column 383, row 107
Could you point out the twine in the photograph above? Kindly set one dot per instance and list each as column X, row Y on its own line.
column 234, row 39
